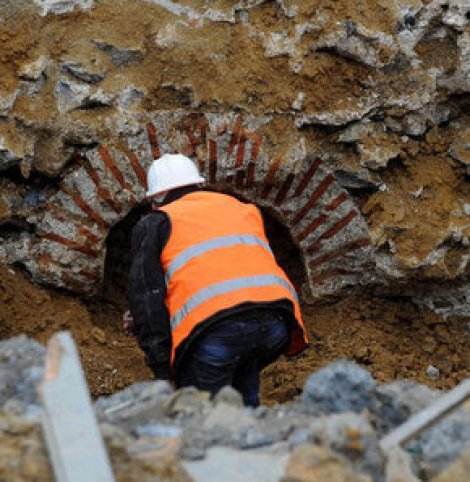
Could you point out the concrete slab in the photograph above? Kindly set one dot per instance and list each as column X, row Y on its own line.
column 73, row 439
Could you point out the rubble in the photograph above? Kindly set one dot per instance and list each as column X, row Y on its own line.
column 150, row 425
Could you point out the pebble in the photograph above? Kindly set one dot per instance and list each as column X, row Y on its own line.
column 99, row 335
column 432, row 371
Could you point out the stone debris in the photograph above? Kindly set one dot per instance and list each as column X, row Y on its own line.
column 346, row 120
column 339, row 387
column 149, row 426
column 34, row 70
column 312, row 463
column 82, row 73
column 21, row 368
column 457, row 472
column 62, row 6
column 432, row 371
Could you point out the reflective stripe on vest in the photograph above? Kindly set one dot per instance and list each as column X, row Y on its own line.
column 225, row 287
column 216, row 258
column 216, row 243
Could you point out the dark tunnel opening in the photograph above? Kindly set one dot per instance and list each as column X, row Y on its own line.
column 118, row 256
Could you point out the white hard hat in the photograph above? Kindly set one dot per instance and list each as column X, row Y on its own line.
column 171, row 171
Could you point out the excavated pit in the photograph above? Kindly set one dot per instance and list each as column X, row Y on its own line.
column 389, row 335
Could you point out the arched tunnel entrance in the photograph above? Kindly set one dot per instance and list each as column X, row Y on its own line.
column 301, row 199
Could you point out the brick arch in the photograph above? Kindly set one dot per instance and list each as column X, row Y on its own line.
column 323, row 220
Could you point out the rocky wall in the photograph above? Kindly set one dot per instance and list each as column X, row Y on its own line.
column 348, row 122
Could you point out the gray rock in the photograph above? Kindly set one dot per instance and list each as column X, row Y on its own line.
column 443, row 443
column 226, row 419
column 432, row 371
column 197, row 441
column 229, row 465
column 356, row 180
column 34, row 198
column 34, row 70
column 339, row 117
column 351, row 435
column 414, row 124
column 7, row 101
column 117, row 435
column 21, row 368
column 131, row 97
column 158, row 430
column 252, row 437
column 187, row 401
column 229, row 396
column 73, row 95
column 397, row 401
column 341, row 386
column 195, row 445
column 82, row 73
column 456, row 15
column 298, row 437
column 120, row 57
column 136, row 405
column 445, row 299
column 261, row 411
column 356, row 42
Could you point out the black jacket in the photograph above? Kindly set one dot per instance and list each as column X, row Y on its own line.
column 147, row 290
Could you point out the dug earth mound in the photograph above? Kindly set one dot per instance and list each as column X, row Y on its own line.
column 392, row 337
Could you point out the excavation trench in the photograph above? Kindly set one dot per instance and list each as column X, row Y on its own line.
column 389, row 335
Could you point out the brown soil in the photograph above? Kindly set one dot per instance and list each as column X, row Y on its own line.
column 250, row 80
column 390, row 337
column 111, row 359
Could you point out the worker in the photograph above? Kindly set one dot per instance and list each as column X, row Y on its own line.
column 208, row 303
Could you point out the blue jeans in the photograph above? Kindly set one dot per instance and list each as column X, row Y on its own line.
column 234, row 353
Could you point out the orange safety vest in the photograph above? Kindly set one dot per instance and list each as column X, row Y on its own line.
column 216, row 258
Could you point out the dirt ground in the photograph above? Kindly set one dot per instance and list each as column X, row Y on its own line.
column 390, row 337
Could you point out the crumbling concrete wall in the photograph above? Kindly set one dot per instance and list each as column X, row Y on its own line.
column 349, row 121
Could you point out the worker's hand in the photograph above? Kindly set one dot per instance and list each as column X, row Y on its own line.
column 128, row 323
